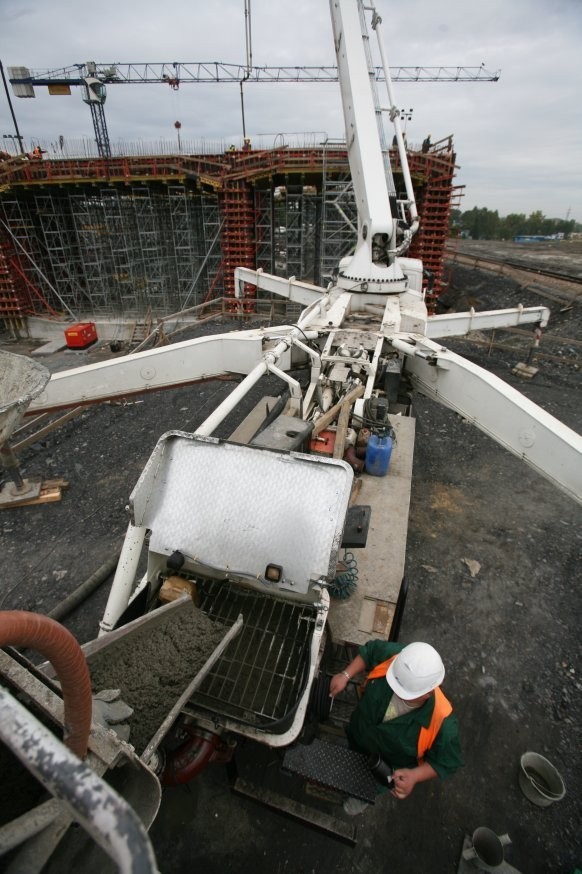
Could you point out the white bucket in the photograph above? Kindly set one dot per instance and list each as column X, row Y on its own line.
column 539, row 780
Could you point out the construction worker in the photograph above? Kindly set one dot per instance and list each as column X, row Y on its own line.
column 426, row 145
column 402, row 715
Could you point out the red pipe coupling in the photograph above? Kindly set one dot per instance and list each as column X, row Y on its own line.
column 185, row 763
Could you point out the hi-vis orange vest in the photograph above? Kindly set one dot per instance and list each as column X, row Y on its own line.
column 442, row 709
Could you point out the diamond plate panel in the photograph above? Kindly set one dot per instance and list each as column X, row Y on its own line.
column 334, row 766
column 240, row 508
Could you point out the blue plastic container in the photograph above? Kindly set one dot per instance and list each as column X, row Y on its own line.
column 378, row 454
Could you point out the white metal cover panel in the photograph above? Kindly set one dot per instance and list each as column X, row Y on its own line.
column 241, row 508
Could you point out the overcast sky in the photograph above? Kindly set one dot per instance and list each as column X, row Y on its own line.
column 517, row 140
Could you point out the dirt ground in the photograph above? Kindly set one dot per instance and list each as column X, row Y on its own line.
column 509, row 633
column 561, row 256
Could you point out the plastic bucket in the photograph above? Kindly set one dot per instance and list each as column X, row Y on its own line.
column 539, row 781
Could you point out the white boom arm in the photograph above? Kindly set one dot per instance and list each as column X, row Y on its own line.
column 489, row 403
column 165, row 367
column 374, row 266
column 523, row 428
column 497, row 409
column 369, row 172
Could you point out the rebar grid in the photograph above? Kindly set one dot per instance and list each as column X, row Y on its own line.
column 261, row 675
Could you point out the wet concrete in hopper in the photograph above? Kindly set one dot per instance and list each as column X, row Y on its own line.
column 153, row 667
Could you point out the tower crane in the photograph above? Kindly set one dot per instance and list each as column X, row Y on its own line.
column 93, row 78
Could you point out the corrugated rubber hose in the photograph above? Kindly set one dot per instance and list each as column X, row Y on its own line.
column 57, row 644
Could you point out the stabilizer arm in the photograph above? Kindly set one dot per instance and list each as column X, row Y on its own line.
column 497, row 409
column 165, row 367
column 459, row 324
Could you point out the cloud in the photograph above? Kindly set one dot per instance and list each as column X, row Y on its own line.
column 12, row 12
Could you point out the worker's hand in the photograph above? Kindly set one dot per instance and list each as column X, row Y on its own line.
column 404, row 781
column 338, row 684
column 111, row 712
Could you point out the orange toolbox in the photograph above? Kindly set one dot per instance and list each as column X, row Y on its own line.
column 81, row 335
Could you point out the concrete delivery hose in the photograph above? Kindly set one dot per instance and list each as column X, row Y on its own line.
column 54, row 642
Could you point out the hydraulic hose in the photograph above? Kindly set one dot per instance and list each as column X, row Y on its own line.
column 87, row 588
column 57, row 644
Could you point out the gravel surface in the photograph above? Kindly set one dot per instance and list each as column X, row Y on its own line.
column 493, row 563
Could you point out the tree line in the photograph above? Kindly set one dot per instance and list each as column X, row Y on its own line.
column 481, row 223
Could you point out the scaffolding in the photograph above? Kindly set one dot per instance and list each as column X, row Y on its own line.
column 294, row 229
column 21, row 256
column 130, row 236
column 11, row 301
column 340, row 217
column 115, row 251
column 267, row 233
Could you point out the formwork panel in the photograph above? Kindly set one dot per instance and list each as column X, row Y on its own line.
column 148, row 234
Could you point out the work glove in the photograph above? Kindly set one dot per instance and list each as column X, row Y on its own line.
column 111, row 712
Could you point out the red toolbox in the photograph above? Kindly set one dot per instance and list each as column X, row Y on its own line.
column 81, row 335
column 324, row 443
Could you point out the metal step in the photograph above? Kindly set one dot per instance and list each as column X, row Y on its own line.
column 331, row 825
column 334, row 766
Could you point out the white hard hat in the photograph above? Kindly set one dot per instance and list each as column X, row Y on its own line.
column 416, row 670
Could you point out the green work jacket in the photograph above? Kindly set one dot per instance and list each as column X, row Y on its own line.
column 397, row 740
